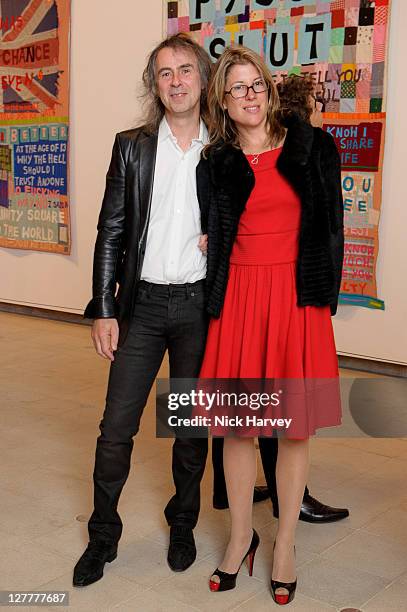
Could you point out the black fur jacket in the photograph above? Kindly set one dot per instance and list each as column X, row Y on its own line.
column 310, row 162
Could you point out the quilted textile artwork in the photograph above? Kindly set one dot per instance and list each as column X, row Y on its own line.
column 343, row 44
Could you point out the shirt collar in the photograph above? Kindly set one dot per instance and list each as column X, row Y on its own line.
column 203, row 134
column 164, row 132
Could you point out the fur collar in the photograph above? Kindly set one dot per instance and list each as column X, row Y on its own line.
column 298, row 142
column 229, row 164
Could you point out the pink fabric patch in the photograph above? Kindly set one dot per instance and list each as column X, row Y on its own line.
column 352, row 17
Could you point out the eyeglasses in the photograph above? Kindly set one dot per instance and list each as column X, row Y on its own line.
column 241, row 91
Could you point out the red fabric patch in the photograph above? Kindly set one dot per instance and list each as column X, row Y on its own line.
column 256, row 25
column 338, row 19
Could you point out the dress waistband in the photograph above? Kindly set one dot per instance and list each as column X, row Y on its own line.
column 265, row 249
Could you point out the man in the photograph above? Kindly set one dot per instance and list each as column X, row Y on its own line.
column 148, row 237
column 297, row 96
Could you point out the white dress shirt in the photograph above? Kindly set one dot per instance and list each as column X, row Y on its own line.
column 172, row 254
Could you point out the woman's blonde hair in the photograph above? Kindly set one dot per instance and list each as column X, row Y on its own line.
column 221, row 127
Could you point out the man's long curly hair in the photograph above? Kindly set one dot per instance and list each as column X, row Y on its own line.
column 153, row 107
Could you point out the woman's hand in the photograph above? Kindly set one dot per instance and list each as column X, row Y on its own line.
column 203, row 244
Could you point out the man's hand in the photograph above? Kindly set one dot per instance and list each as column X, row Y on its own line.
column 203, row 243
column 105, row 335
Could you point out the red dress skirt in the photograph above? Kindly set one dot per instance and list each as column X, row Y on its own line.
column 262, row 333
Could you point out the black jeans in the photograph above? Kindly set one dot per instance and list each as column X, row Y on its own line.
column 268, row 451
column 165, row 317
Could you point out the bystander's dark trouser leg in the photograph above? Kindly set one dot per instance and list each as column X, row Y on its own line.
column 219, row 482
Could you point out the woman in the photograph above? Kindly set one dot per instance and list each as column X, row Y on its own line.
column 275, row 248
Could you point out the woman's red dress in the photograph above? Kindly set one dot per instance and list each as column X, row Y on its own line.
column 262, row 333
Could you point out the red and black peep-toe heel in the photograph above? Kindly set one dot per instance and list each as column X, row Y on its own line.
column 228, row 581
column 282, row 599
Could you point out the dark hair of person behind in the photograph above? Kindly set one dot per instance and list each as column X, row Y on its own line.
column 153, row 107
column 295, row 93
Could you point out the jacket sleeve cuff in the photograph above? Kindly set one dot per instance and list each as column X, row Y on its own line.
column 102, row 307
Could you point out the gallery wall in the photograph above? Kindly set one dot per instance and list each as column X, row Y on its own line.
column 372, row 334
column 108, row 52
column 109, row 44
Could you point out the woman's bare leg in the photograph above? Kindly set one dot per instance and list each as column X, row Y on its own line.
column 239, row 460
column 291, row 476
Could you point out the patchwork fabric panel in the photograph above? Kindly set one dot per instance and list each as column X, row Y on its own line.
column 294, row 34
column 343, row 44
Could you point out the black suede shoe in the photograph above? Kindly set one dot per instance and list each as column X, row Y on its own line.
column 90, row 566
column 314, row 511
column 259, row 494
column 182, row 549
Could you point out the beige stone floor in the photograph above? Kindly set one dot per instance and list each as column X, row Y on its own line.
column 52, row 392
